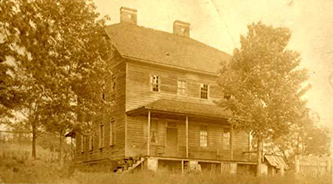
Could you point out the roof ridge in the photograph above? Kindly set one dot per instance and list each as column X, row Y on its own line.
column 169, row 33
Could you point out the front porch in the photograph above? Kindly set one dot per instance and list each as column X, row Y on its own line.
column 183, row 132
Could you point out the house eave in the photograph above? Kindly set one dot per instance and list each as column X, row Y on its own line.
column 143, row 111
column 130, row 58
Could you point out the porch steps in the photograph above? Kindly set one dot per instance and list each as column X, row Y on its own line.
column 129, row 165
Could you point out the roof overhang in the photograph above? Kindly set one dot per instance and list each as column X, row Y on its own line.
column 178, row 108
column 130, row 58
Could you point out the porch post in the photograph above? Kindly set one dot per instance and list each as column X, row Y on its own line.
column 148, row 135
column 231, row 142
column 186, row 136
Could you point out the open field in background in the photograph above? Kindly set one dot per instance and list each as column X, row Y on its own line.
column 18, row 146
column 39, row 171
column 23, row 151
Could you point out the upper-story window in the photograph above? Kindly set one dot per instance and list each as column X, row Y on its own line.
column 181, row 87
column 155, row 83
column 108, row 90
column 204, row 91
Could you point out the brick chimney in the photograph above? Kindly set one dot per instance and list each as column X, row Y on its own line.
column 128, row 15
column 181, row 28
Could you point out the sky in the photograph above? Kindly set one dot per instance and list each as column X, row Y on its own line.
column 219, row 23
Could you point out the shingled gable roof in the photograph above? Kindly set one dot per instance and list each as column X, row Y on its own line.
column 140, row 43
column 185, row 108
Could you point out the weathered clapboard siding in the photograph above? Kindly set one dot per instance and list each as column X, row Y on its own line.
column 138, row 93
column 133, row 90
column 117, row 150
column 214, row 149
column 118, row 113
column 137, row 139
column 139, row 90
column 241, row 144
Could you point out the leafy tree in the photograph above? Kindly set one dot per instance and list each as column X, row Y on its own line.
column 61, row 51
column 306, row 139
column 316, row 141
column 9, row 94
column 265, row 84
column 20, row 44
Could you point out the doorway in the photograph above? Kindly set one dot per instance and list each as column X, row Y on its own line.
column 172, row 141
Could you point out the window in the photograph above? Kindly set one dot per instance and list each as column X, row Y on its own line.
column 103, row 91
column 154, row 132
column 154, row 82
column 227, row 96
column 108, row 89
column 91, row 143
column 112, row 133
column 204, row 91
column 203, row 137
column 101, row 136
column 181, row 87
column 226, row 138
column 82, row 143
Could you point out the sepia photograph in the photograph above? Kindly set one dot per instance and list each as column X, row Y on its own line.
column 169, row 91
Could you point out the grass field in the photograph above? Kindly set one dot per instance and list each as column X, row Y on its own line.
column 38, row 171
column 16, row 166
column 202, row 178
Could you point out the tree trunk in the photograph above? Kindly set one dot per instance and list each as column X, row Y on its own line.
column 259, row 156
column 34, row 137
column 61, row 147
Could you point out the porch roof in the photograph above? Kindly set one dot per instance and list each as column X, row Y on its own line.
column 276, row 161
column 182, row 108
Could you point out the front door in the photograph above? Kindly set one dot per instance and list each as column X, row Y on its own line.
column 172, row 141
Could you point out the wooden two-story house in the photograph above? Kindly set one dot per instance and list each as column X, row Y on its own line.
column 164, row 110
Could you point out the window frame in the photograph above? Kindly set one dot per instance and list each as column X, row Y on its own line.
column 154, row 132
column 154, row 84
column 204, row 92
column 91, row 143
column 82, row 143
column 112, row 139
column 203, row 137
column 101, row 136
column 182, row 87
column 226, row 139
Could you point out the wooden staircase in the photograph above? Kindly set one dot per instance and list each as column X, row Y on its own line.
column 129, row 164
